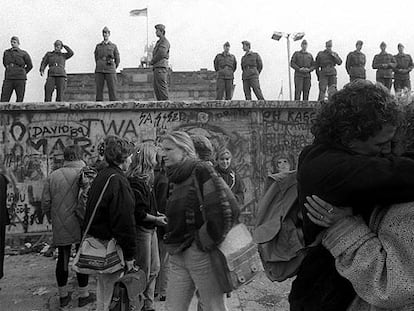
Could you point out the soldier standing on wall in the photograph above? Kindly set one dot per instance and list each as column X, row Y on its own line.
column 225, row 65
column 303, row 63
column 159, row 62
column 325, row 69
column 107, row 60
column 402, row 71
column 252, row 65
column 384, row 63
column 56, row 76
column 355, row 63
column 17, row 63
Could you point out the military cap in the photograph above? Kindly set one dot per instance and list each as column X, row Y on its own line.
column 383, row 44
column 359, row 42
column 106, row 29
column 246, row 42
column 328, row 43
column 226, row 43
column 304, row 42
column 400, row 45
column 15, row 38
column 58, row 42
column 160, row 27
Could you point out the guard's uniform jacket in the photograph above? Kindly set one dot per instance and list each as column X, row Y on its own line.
column 326, row 62
column 106, row 57
column 355, row 65
column 161, row 53
column 17, row 63
column 56, row 62
column 387, row 59
column 252, row 65
column 225, row 65
column 403, row 67
column 301, row 59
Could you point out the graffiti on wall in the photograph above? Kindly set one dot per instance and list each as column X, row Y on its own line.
column 33, row 145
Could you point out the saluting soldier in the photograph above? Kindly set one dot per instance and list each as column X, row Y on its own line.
column 107, row 60
column 225, row 65
column 385, row 64
column 56, row 75
column 402, row 70
column 17, row 63
column 355, row 63
column 252, row 65
column 303, row 63
column 326, row 61
column 159, row 62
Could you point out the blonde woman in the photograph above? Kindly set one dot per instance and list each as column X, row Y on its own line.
column 141, row 178
column 189, row 236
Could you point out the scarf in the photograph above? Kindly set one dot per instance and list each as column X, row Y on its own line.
column 181, row 171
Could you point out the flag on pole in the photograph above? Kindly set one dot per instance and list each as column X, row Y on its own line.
column 139, row 12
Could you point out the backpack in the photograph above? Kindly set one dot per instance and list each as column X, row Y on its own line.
column 86, row 176
column 127, row 294
column 278, row 231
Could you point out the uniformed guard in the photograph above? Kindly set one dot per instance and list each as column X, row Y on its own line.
column 252, row 65
column 17, row 63
column 326, row 61
column 56, row 75
column 385, row 64
column 107, row 60
column 303, row 63
column 159, row 62
column 225, row 65
column 355, row 63
column 402, row 70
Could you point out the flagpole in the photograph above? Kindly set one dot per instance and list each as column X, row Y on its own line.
column 147, row 39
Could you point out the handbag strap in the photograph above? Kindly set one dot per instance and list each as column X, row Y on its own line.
column 96, row 207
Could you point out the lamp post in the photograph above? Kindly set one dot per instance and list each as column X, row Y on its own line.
column 277, row 35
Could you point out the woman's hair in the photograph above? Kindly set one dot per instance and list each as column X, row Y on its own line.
column 358, row 111
column 117, row 149
column 183, row 141
column 72, row 153
column 143, row 160
column 223, row 152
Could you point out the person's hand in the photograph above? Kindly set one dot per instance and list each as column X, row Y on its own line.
column 130, row 264
column 161, row 220
column 324, row 214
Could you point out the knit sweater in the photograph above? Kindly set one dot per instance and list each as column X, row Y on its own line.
column 376, row 259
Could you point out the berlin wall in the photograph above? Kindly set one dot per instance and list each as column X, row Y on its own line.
column 33, row 135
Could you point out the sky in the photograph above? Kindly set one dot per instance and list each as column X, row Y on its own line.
column 197, row 30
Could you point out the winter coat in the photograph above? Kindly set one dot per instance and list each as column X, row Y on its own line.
column 60, row 198
column 377, row 259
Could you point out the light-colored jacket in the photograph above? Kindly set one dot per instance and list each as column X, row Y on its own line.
column 377, row 259
column 60, row 198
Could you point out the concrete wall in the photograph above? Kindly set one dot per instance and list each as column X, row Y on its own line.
column 32, row 138
column 136, row 84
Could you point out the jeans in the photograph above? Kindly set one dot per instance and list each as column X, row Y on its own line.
column 51, row 83
column 104, row 289
column 224, row 86
column 161, row 83
column 326, row 82
column 162, row 279
column 191, row 270
column 110, row 79
column 148, row 259
column 302, row 85
column 19, row 86
column 252, row 84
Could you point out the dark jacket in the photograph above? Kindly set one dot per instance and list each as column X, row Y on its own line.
column 385, row 64
column 355, row 64
column 235, row 183
column 300, row 60
column 161, row 53
column 56, row 62
column 225, row 65
column 252, row 65
column 17, row 63
column 403, row 67
column 326, row 62
column 342, row 178
column 106, row 57
column 145, row 202
column 115, row 214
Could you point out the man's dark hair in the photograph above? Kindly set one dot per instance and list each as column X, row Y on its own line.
column 117, row 149
column 72, row 153
column 358, row 111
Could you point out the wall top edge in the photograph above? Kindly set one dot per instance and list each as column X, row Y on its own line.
column 154, row 105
